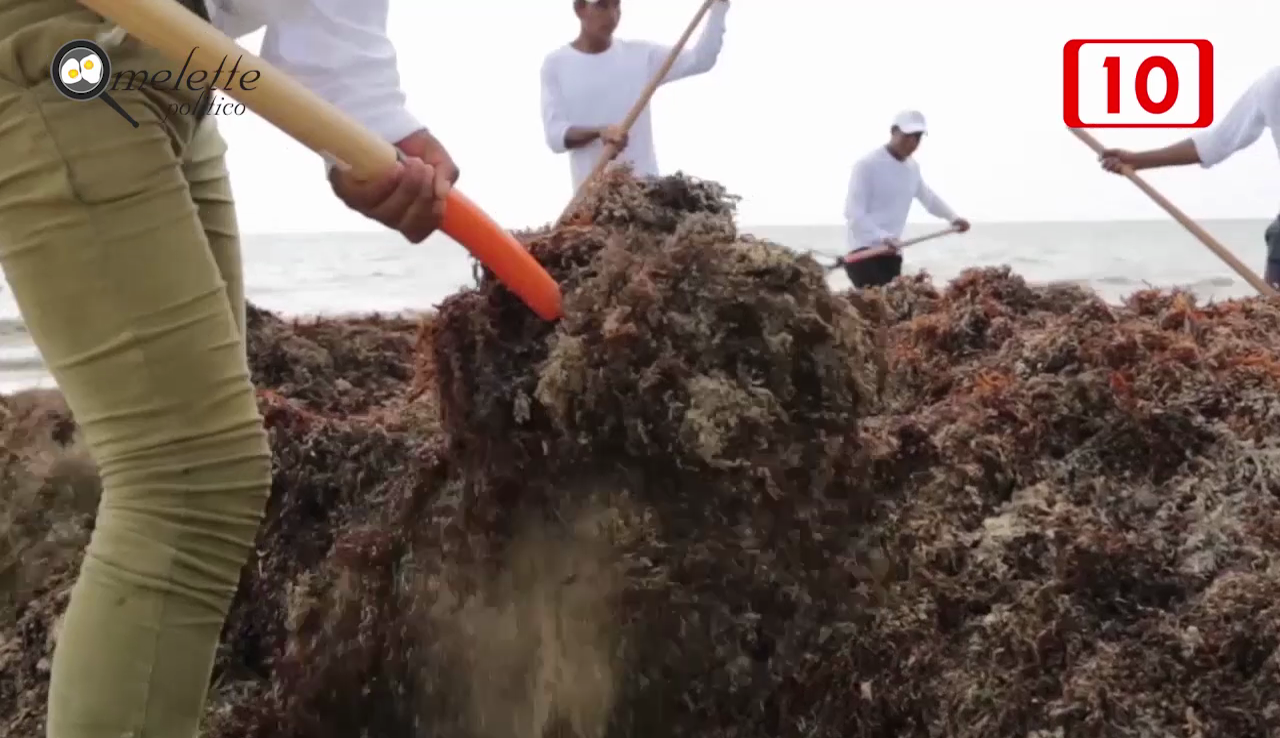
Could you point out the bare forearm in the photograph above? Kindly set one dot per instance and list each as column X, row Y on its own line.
column 579, row 136
column 1177, row 155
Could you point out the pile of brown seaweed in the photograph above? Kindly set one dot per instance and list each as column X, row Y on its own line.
column 719, row 500
column 1083, row 517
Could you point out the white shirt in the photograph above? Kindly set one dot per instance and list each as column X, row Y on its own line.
column 596, row 90
column 1256, row 110
column 881, row 189
column 336, row 48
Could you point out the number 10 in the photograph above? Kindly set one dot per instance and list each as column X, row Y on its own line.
column 1142, row 84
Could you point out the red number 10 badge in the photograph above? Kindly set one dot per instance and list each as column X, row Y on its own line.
column 1131, row 83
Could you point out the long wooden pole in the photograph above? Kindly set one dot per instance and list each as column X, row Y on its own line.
column 1209, row 241
column 611, row 151
column 869, row 253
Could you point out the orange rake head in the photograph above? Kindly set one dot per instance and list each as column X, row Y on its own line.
column 506, row 257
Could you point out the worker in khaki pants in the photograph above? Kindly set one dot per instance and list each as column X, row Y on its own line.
column 121, row 248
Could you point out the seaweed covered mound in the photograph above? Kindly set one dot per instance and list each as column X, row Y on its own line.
column 717, row 500
column 1073, row 527
column 1084, row 524
column 705, row 389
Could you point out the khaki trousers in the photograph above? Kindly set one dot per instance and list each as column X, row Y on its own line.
column 121, row 248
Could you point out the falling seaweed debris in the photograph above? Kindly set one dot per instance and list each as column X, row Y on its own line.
column 717, row 499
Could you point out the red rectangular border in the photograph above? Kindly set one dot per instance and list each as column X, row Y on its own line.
column 1071, row 82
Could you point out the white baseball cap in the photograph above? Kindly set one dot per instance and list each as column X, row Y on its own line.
column 910, row 121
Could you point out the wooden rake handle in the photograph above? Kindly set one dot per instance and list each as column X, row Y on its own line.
column 881, row 250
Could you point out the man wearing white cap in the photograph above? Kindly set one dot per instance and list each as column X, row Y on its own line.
column 881, row 189
column 590, row 84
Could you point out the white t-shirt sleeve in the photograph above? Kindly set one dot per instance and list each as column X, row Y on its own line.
column 697, row 59
column 934, row 204
column 555, row 120
column 856, row 211
column 339, row 50
column 1242, row 125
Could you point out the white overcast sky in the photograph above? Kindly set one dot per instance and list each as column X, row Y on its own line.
column 803, row 87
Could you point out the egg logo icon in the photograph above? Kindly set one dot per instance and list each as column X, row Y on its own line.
column 91, row 69
column 81, row 70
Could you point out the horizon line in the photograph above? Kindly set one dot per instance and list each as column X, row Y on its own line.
column 748, row 226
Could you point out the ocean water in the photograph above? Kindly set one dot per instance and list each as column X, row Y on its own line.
column 331, row 274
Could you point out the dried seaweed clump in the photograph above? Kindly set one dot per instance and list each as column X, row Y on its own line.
column 49, row 491
column 343, row 366
column 656, row 204
column 707, row 385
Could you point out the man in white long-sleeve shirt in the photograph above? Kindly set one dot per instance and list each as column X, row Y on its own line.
column 589, row 85
column 1257, row 110
column 881, row 189
column 121, row 248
